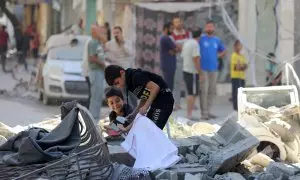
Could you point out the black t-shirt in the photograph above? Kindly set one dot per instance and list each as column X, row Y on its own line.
column 127, row 109
column 137, row 79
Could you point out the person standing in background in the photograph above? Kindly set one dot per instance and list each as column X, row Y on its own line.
column 238, row 66
column 4, row 38
column 179, row 35
column 96, row 59
column 107, row 26
column 191, row 70
column 211, row 48
column 168, row 50
column 25, row 48
column 35, row 43
column 119, row 53
column 274, row 75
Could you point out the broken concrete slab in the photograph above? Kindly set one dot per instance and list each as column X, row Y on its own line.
column 189, row 176
column 184, row 145
column 168, row 175
column 226, row 159
column 188, row 168
column 278, row 168
column 191, row 158
column 233, row 132
column 203, row 149
column 230, row 176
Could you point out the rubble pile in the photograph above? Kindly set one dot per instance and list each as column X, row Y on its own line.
column 263, row 144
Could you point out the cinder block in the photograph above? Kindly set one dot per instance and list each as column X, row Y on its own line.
column 232, row 132
column 224, row 160
column 192, row 158
column 189, row 176
column 184, row 145
column 278, row 168
column 230, row 176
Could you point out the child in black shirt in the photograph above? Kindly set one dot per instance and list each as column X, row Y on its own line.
column 150, row 88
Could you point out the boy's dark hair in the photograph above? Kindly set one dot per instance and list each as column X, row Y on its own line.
column 118, row 27
column 271, row 55
column 237, row 42
column 197, row 33
column 167, row 26
column 210, row 21
column 111, row 73
column 113, row 91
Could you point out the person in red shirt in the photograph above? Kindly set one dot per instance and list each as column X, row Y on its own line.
column 4, row 38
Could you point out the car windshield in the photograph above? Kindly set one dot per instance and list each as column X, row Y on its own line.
column 67, row 53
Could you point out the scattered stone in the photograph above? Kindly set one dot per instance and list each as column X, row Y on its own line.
column 232, row 132
column 184, row 144
column 189, row 176
column 204, row 140
column 166, row 175
column 191, row 158
column 202, row 149
column 188, row 168
column 204, row 160
column 226, row 159
column 278, row 168
column 230, row 176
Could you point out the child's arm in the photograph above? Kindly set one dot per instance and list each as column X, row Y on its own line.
column 154, row 89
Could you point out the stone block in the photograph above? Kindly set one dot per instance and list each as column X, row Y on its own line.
column 191, row 158
column 226, row 159
column 232, row 132
column 182, row 169
column 204, row 140
column 189, row 176
column 230, row 176
column 202, row 149
column 184, row 145
column 278, row 168
column 169, row 175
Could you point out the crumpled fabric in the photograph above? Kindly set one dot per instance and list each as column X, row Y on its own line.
column 37, row 145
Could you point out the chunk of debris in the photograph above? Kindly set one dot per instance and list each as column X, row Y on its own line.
column 230, row 176
column 164, row 174
column 191, row 158
column 189, row 176
column 261, row 159
column 226, row 159
column 278, row 168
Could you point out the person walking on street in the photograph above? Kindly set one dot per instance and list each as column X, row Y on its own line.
column 179, row 35
column 4, row 38
column 192, row 70
column 96, row 59
column 238, row 66
column 25, row 47
column 168, row 50
column 118, row 52
column 211, row 48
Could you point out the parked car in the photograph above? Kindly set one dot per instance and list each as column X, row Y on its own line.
column 60, row 69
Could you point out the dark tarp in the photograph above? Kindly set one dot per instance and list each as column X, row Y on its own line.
column 36, row 145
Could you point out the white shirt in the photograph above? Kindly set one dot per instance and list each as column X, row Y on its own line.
column 190, row 50
column 119, row 55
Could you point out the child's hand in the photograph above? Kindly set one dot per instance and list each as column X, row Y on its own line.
column 143, row 110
